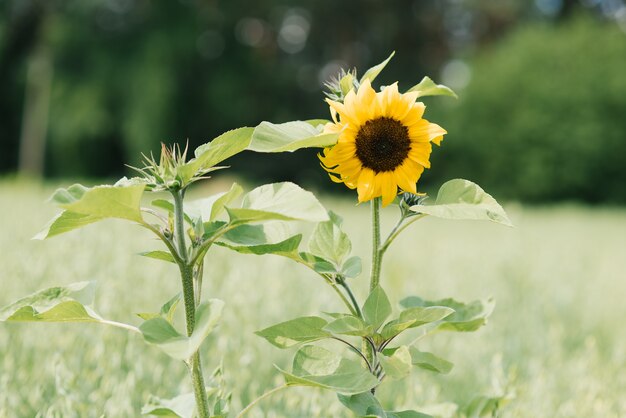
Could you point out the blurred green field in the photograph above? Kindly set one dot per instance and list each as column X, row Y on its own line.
column 556, row 340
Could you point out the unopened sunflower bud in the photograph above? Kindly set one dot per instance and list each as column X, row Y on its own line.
column 411, row 199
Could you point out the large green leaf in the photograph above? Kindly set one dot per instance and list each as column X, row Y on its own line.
column 428, row 87
column 373, row 72
column 462, row 199
column 376, row 307
column 160, row 332
column 84, row 206
column 102, row 201
column 328, row 241
column 398, row 364
column 58, row 304
column 216, row 151
column 55, row 304
column 289, row 136
column 296, row 331
column 266, row 238
column 278, row 201
column 318, row 367
column 65, row 222
column 349, row 325
column 182, row 406
column 466, row 317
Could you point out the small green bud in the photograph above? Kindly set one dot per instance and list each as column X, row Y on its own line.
column 410, row 199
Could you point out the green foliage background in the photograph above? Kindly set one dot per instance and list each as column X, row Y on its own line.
column 540, row 120
column 543, row 118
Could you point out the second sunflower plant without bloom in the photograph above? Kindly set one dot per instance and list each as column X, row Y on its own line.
column 378, row 143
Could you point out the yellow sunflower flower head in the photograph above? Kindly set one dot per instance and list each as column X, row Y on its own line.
column 384, row 143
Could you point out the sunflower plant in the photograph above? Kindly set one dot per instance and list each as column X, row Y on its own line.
column 377, row 143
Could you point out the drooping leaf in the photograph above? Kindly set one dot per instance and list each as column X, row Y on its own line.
column 398, row 364
column 55, row 304
column 376, row 308
column 65, row 222
column 373, row 72
column 318, row 367
column 266, row 238
column 429, row 361
column 159, row 255
column 328, row 241
column 102, row 201
column 462, row 199
column 349, row 325
column 296, row 331
column 84, row 206
column 466, row 317
column 182, row 406
column 289, row 136
column 58, row 304
column 160, row 332
column 427, row 87
column 278, row 201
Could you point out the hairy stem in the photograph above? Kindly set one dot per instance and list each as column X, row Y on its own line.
column 186, row 273
column 376, row 253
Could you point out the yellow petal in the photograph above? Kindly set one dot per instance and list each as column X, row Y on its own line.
column 420, row 153
column 344, row 112
column 414, row 115
column 366, row 101
column 388, row 186
column 365, row 185
column 404, row 179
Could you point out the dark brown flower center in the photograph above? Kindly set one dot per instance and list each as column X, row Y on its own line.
column 382, row 144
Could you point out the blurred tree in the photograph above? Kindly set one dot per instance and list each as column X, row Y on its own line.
column 128, row 74
column 542, row 118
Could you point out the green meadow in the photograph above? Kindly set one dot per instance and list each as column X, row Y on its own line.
column 555, row 344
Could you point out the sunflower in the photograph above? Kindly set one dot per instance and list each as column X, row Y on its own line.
column 384, row 143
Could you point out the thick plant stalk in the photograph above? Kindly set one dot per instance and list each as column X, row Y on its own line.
column 186, row 272
column 376, row 253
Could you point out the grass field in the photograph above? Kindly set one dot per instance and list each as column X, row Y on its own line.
column 556, row 340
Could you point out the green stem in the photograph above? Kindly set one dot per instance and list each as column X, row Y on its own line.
column 186, row 273
column 376, row 254
column 260, row 398
column 352, row 298
column 397, row 230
